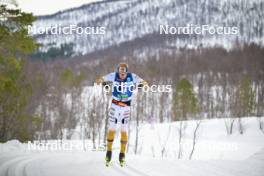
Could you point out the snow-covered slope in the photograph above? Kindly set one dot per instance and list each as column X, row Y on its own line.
column 212, row 141
column 92, row 164
column 216, row 154
column 130, row 21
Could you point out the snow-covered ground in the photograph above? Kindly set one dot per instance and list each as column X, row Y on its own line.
column 212, row 141
column 216, row 153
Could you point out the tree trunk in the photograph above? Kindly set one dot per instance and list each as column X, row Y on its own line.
column 194, row 138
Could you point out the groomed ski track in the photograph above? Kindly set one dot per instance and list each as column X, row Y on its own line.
column 92, row 164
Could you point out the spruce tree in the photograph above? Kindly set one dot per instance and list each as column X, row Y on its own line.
column 185, row 102
column 15, row 44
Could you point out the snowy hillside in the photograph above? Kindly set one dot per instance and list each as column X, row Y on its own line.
column 136, row 23
column 216, row 154
column 212, row 142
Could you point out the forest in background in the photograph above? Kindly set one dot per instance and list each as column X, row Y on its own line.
column 41, row 100
column 224, row 84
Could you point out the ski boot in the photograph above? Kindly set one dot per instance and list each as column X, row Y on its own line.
column 108, row 158
column 122, row 159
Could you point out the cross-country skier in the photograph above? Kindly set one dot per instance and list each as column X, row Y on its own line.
column 122, row 91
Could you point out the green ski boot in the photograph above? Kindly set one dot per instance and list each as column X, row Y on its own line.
column 122, row 159
column 108, row 158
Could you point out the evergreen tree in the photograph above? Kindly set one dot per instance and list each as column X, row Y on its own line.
column 246, row 97
column 245, row 101
column 185, row 102
column 15, row 44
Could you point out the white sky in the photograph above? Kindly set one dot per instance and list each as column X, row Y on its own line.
column 44, row 7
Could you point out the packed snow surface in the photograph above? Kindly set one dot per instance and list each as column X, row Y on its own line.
column 232, row 155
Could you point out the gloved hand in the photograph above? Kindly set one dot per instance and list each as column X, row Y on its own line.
column 142, row 84
column 99, row 80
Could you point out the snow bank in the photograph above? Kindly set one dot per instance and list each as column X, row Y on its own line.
column 10, row 146
column 213, row 142
column 162, row 141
